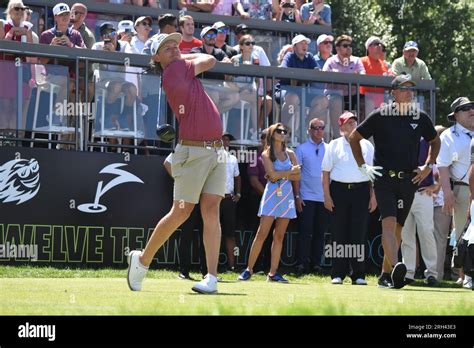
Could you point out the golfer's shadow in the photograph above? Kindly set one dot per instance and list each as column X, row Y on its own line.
column 218, row 294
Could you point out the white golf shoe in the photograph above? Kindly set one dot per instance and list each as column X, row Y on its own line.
column 206, row 286
column 136, row 271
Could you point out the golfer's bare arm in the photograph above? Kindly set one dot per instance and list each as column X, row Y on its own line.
column 202, row 61
column 354, row 141
column 435, row 145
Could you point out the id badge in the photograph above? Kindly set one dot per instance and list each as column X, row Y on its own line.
column 279, row 192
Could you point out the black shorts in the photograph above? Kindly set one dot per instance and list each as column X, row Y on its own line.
column 228, row 216
column 394, row 197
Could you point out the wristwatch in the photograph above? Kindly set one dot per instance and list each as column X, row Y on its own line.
column 430, row 165
column 297, row 196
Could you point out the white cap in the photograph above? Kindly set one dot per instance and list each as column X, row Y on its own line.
column 371, row 40
column 324, row 37
column 299, row 38
column 61, row 8
column 218, row 25
column 205, row 30
column 161, row 39
column 123, row 26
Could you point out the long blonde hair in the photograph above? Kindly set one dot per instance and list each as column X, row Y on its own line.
column 11, row 5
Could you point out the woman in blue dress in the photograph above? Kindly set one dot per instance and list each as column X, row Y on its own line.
column 278, row 202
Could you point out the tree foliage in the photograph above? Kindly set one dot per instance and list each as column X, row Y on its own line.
column 443, row 30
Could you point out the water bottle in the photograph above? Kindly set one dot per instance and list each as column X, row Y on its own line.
column 23, row 38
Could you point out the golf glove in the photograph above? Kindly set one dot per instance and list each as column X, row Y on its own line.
column 370, row 171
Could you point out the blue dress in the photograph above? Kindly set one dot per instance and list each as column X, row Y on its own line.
column 278, row 205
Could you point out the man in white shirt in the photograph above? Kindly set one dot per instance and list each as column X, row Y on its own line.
column 228, row 207
column 453, row 162
column 349, row 196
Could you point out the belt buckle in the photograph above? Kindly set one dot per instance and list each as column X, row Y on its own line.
column 208, row 145
column 400, row 175
column 349, row 186
column 392, row 174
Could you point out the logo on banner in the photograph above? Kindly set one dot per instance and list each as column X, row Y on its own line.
column 122, row 178
column 19, row 180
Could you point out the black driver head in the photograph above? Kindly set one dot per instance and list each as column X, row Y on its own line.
column 166, row 133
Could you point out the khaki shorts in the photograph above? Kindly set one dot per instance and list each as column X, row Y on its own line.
column 197, row 170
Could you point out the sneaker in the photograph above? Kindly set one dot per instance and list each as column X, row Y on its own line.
column 459, row 281
column 359, row 281
column 336, row 280
column 277, row 277
column 206, row 286
column 136, row 271
column 185, row 276
column 398, row 275
column 431, row 281
column 467, row 283
column 300, row 270
column 245, row 275
column 385, row 281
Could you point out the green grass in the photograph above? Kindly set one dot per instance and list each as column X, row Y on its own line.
column 49, row 291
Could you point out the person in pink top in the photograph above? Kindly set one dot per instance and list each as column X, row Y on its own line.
column 198, row 168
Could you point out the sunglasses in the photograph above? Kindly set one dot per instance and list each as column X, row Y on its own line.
column 20, row 8
column 210, row 36
column 249, row 43
column 146, row 24
column 281, row 131
column 326, row 43
column 223, row 30
column 466, row 108
column 318, row 127
column 346, row 45
column 406, row 88
column 110, row 35
column 76, row 13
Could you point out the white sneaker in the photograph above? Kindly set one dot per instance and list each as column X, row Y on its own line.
column 206, row 286
column 136, row 271
column 459, row 281
column 359, row 281
column 336, row 280
column 467, row 282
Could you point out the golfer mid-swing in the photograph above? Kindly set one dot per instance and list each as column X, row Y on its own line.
column 397, row 129
column 198, row 174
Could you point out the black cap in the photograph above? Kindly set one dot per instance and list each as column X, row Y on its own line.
column 402, row 79
column 106, row 26
column 230, row 136
column 241, row 27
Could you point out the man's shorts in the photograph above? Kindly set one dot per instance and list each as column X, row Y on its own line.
column 197, row 170
column 394, row 197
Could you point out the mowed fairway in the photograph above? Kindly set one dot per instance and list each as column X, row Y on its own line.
column 48, row 291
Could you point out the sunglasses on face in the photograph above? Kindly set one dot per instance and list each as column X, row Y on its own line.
column 318, row 127
column 210, row 36
column 281, row 131
column 406, row 88
column 249, row 43
column 76, row 13
column 466, row 108
column 346, row 45
column 20, row 8
column 223, row 30
column 110, row 35
column 146, row 24
column 326, row 43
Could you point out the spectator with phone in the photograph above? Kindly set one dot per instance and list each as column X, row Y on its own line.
column 316, row 12
column 126, row 31
column 289, row 12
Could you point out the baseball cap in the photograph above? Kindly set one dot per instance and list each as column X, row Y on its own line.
column 227, row 134
column 346, row 116
column 324, row 37
column 161, row 39
column 371, row 40
column 456, row 104
column 142, row 18
column 402, row 79
column 106, row 26
column 124, row 26
column 61, row 8
column 218, row 25
column 299, row 38
column 205, row 30
column 240, row 28
column 410, row 45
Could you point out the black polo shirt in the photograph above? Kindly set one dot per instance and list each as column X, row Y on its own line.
column 397, row 138
column 216, row 53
